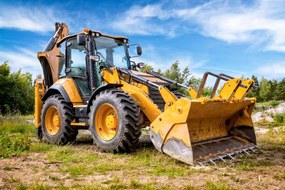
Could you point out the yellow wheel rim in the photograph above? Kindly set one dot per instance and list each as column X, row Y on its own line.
column 52, row 120
column 106, row 122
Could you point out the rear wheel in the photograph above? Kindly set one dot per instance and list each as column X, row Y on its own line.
column 115, row 121
column 55, row 121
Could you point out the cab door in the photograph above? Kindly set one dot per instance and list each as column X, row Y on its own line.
column 76, row 61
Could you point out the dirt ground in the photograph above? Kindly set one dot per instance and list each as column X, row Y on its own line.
column 36, row 168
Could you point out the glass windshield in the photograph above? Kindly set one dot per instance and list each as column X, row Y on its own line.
column 111, row 52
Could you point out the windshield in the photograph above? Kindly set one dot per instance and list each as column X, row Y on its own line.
column 111, row 52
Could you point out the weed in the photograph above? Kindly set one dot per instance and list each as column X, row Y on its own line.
column 115, row 184
column 280, row 176
column 8, row 168
column 149, row 186
column 21, row 186
column 134, row 184
column 39, row 186
column 54, row 178
column 209, row 185
column 11, row 179
column 189, row 187
column 118, row 186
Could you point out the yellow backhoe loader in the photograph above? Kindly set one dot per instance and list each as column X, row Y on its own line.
column 90, row 82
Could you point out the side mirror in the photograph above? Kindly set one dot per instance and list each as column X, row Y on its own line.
column 81, row 40
column 139, row 50
column 140, row 65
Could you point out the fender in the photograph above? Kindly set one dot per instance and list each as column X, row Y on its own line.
column 56, row 89
column 98, row 90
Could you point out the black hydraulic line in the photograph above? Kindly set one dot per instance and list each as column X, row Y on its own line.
column 161, row 77
column 140, row 79
column 51, row 43
column 166, row 79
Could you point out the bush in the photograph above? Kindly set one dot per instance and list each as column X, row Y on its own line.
column 279, row 118
column 13, row 145
column 17, row 92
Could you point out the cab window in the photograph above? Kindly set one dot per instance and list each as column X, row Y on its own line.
column 76, row 58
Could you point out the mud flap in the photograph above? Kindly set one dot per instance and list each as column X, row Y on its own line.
column 193, row 131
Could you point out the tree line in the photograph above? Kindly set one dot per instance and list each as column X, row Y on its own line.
column 267, row 90
column 17, row 88
column 264, row 90
column 16, row 91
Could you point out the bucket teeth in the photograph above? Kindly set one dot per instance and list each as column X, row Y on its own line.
column 221, row 157
column 231, row 155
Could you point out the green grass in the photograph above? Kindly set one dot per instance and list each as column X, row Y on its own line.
column 273, row 140
column 15, row 133
column 170, row 171
column 76, row 170
column 248, row 163
column 16, row 124
column 73, row 161
column 14, row 145
column 41, row 147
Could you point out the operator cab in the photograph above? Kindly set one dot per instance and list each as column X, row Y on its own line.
column 82, row 57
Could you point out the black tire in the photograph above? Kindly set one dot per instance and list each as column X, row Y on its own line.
column 65, row 133
column 129, row 121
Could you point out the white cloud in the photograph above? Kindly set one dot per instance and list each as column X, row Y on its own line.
column 139, row 20
column 22, row 58
column 260, row 22
column 35, row 19
column 235, row 22
column 272, row 71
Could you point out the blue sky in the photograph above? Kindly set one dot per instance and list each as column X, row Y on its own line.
column 231, row 36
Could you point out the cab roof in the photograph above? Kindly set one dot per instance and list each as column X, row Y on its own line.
column 96, row 34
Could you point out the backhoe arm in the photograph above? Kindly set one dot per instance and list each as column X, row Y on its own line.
column 50, row 56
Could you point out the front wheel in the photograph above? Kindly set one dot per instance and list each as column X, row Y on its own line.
column 115, row 121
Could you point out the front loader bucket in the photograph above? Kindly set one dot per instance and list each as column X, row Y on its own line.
column 202, row 130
